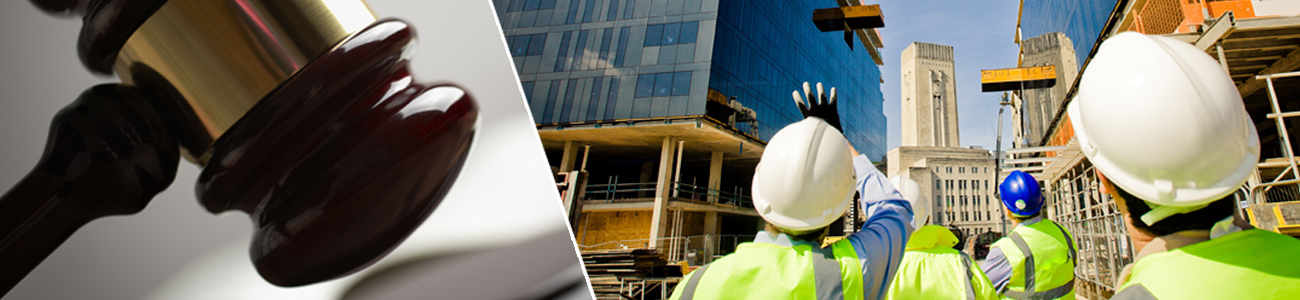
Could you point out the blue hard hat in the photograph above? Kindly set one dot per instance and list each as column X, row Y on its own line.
column 1020, row 194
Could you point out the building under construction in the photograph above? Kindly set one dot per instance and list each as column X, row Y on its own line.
column 1257, row 44
column 654, row 115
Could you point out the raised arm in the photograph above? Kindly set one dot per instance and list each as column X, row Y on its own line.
column 880, row 242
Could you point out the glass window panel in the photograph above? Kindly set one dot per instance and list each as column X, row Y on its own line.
column 641, row 108
column 681, row 83
column 590, row 11
column 549, row 110
column 612, row 98
column 516, row 5
column 537, row 44
column 547, row 4
column 653, row 34
column 622, row 46
column 528, row 90
column 645, row 85
column 573, row 13
column 613, row 10
column 689, row 30
column 520, row 47
column 594, row 103
column 579, row 49
column 627, row 12
column 605, row 40
column 510, row 43
column 562, row 59
column 671, row 33
column 663, row 84
column 569, row 93
column 532, row 4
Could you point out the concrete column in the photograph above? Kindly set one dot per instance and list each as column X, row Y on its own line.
column 659, row 213
column 570, row 156
column 715, row 176
column 711, row 222
column 647, row 174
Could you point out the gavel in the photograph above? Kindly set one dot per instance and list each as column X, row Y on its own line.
column 302, row 113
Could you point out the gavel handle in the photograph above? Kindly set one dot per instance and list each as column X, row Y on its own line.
column 108, row 153
column 35, row 219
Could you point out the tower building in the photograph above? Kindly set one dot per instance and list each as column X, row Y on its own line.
column 929, row 96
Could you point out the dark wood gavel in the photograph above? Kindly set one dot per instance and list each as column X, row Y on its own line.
column 302, row 113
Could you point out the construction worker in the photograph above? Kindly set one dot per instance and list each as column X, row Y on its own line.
column 1036, row 261
column 931, row 267
column 1167, row 133
column 804, row 181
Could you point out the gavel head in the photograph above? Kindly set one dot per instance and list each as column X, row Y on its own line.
column 303, row 114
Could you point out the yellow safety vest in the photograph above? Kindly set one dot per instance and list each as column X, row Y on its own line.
column 932, row 269
column 1041, row 255
column 770, row 271
column 1251, row 264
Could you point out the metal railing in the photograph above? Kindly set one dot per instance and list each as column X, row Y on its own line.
column 736, row 197
column 1094, row 220
column 639, row 288
column 1281, row 188
column 1277, row 191
column 613, row 192
column 695, row 250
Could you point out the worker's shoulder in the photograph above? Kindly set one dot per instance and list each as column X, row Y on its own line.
column 1268, row 251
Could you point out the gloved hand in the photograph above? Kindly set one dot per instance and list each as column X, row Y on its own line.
column 819, row 105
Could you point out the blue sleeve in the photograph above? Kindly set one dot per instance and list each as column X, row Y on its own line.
column 997, row 268
column 880, row 242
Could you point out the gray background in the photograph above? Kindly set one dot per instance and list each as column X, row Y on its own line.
column 504, row 195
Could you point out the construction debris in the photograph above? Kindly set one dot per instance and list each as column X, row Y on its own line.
column 630, row 274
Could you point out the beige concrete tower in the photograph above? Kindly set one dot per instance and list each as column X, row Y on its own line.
column 1040, row 106
column 929, row 96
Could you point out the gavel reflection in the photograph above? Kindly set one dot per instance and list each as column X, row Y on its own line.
column 302, row 113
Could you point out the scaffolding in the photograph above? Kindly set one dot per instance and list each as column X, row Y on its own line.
column 1077, row 203
column 1273, row 204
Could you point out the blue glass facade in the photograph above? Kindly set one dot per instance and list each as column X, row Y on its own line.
column 596, row 60
column 765, row 50
column 1081, row 20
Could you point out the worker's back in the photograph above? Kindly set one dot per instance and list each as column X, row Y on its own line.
column 1041, row 255
column 932, row 269
column 1253, row 264
column 762, row 270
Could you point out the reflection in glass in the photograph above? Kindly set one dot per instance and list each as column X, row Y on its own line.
column 645, row 85
column 671, row 31
column 622, row 46
column 663, row 84
column 518, row 45
column 562, row 59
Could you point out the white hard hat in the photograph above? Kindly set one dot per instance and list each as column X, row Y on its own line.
column 805, row 179
column 912, row 193
column 1163, row 121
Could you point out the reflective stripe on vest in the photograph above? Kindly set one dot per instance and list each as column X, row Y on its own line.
column 826, row 274
column 1134, row 292
column 1030, row 284
column 689, row 293
column 970, row 285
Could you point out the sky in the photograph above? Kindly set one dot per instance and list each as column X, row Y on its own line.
column 982, row 35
